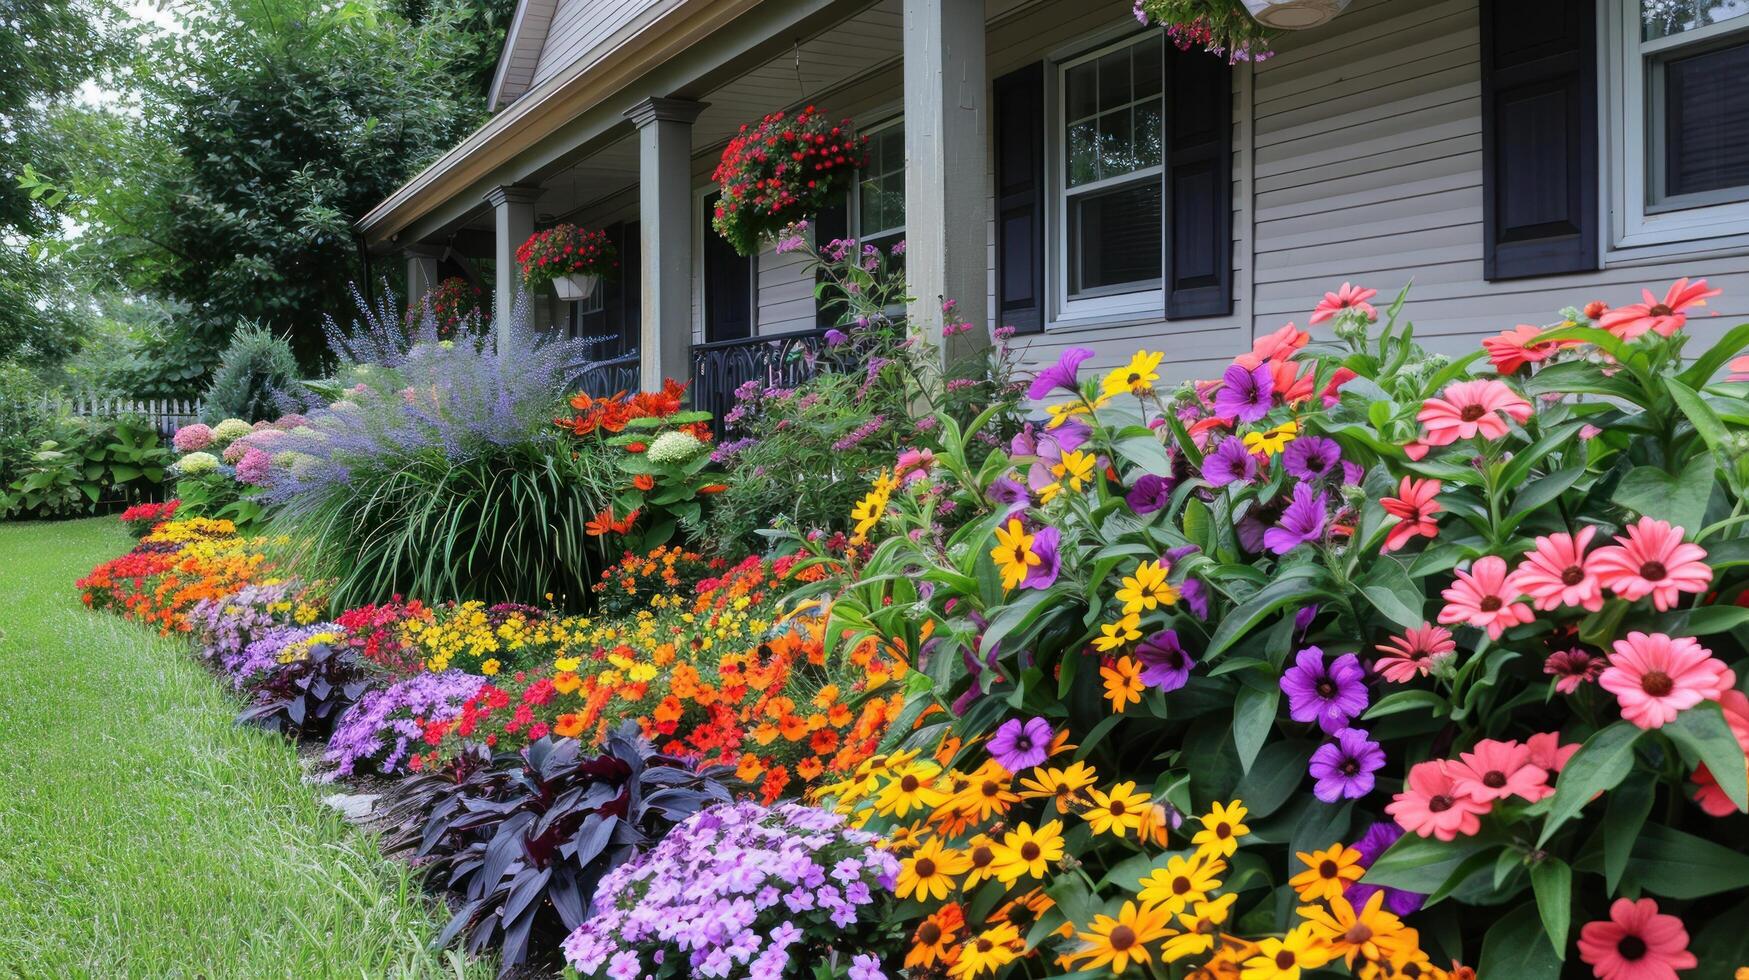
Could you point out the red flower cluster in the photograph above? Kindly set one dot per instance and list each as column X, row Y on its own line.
column 609, row 416
column 781, row 170
column 564, row 250
column 374, row 631
column 142, row 518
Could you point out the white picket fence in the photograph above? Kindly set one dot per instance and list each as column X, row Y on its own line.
column 166, row 414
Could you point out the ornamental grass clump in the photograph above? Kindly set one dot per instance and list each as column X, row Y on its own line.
column 744, row 891
column 1447, row 652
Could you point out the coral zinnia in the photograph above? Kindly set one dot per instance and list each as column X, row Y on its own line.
column 1349, row 297
column 1654, row 677
column 1662, row 318
column 1513, row 349
column 1557, row 572
column 1484, row 597
column 1414, row 653
column 1470, row 408
column 1494, row 770
column 1636, row 942
column 1652, row 559
column 1431, row 806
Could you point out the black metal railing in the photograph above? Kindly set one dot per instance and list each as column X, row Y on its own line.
column 609, row 377
column 781, row 360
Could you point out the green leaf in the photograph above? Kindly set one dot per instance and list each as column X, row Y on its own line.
column 1516, row 947
column 1388, row 587
column 1296, row 587
column 1701, row 415
column 1703, row 731
column 1677, row 865
column 1600, row 764
column 1699, row 621
column 1422, row 864
column 1697, row 375
column 1253, row 719
column 1627, row 807
column 1680, row 499
column 1279, row 769
column 1410, row 700
column 1552, row 881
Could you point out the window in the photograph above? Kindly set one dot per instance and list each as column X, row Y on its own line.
column 1681, row 104
column 1109, row 178
column 880, row 187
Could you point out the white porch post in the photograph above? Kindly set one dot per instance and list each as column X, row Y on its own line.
column 665, row 237
column 421, row 270
column 946, row 129
column 513, row 222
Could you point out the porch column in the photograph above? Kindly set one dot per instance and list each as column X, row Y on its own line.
column 665, row 237
column 513, row 222
column 421, row 270
column 946, row 130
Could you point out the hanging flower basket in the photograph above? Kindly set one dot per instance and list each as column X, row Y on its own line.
column 572, row 259
column 1221, row 27
column 780, row 171
column 1294, row 15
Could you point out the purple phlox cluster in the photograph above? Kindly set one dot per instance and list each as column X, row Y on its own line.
column 1378, row 838
column 262, row 655
column 1302, row 520
column 226, row 628
column 255, row 467
column 1331, row 694
column 1165, row 663
column 737, row 890
column 378, row 730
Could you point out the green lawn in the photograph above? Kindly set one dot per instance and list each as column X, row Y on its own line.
column 140, row 833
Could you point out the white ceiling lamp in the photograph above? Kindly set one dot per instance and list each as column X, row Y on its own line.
column 1294, row 15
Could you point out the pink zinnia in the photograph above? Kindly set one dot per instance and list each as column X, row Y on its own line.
column 1346, row 298
column 1708, row 794
column 1652, row 559
column 1494, row 770
column 1556, row 572
column 1431, row 806
column 1471, row 408
column 1414, row 653
column 1654, row 677
column 1484, row 597
column 1636, row 942
column 1571, row 668
column 1414, row 506
column 1513, row 349
column 1662, row 318
column 1548, row 754
column 1278, row 346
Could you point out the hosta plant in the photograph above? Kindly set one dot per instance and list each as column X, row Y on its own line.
column 1356, row 657
column 523, row 843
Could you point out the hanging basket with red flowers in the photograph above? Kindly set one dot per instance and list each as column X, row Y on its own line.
column 781, row 170
column 572, row 259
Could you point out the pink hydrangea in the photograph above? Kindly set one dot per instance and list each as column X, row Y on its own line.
column 192, row 438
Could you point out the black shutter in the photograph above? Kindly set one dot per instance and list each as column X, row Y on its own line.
column 833, row 221
column 728, row 285
column 1019, row 115
column 1198, row 193
column 1539, row 137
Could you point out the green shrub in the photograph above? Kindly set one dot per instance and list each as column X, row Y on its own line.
column 255, row 372
column 65, row 466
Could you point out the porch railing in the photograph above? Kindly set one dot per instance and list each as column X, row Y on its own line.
column 604, row 378
column 781, row 360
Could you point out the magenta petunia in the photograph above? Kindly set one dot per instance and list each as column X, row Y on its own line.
column 1020, row 745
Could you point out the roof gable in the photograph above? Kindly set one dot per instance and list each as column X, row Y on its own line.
column 522, row 48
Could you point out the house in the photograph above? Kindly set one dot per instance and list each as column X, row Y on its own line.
column 1095, row 186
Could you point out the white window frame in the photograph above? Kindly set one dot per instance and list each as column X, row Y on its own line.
column 1638, row 222
column 1068, row 312
column 857, row 231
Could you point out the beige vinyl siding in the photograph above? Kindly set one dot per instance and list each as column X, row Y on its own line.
column 578, row 27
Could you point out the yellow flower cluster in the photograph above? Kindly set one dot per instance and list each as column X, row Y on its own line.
column 872, row 507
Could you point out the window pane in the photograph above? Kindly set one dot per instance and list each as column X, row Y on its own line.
column 1147, row 67
column 1082, row 95
column 869, row 205
column 1114, row 79
column 1114, row 237
column 1706, row 121
column 1083, row 167
column 893, row 210
column 1115, row 158
column 1662, row 18
column 1149, row 136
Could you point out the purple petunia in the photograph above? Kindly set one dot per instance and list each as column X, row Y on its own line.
column 1059, row 376
column 1312, row 457
column 1230, row 462
column 1021, row 745
column 1302, row 521
column 1377, row 840
column 1245, row 393
column 1344, row 768
column 1150, row 493
column 1010, row 494
column 1165, row 663
column 1330, row 695
column 1044, row 545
